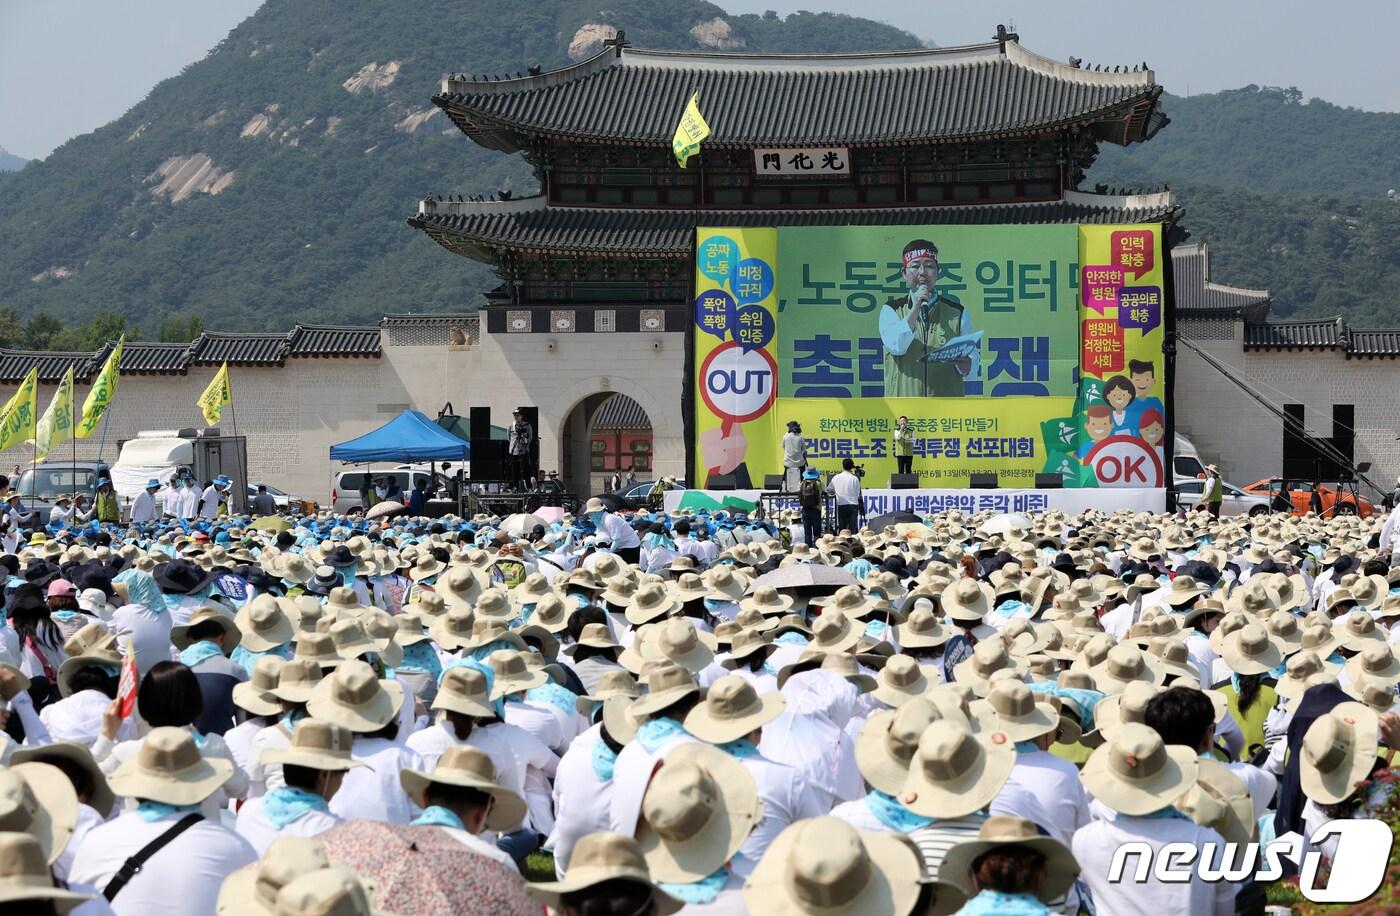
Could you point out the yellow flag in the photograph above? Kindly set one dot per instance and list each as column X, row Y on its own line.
column 18, row 422
column 104, row 389
column 689, row 131
column 56, row 425
column 211, row 402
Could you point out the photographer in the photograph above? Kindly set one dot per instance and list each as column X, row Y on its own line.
column 794, row 457
column 846, row 488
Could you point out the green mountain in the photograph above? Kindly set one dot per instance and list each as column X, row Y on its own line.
column 9, row 162
column 269, row 182
column 1291, row 194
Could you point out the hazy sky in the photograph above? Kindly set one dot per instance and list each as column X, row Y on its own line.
column 68, row 66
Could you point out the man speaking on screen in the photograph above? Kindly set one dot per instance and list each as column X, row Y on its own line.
column 929, row 344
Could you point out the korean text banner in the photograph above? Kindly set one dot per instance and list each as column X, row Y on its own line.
column 1002, row 352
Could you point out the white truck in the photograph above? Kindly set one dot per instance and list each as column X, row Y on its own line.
column 161, row 454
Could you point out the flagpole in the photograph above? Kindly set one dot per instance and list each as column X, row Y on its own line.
column 34, row 429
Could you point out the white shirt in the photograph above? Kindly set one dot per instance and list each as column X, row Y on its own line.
column 619, row 532
column 266, row 777
column 1388, row 529
column 846, row 487
column 209, row 502
column 257, row 828
column 631, row 775
column 88, row 818
column 78, row 718
column 1094, row 846
column 109, row 757
column 373, row 792
column 240, row 747
column 1054, row 783
column 143, row 507
column 149, row 631
column 180, row 879
column 482, row 847
column 581, row 799
column 786, row 800
column 538, row 721
column 189, row 502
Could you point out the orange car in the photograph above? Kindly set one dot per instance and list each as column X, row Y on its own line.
column 1334, row 501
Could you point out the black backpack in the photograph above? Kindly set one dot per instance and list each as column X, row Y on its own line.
column 810, row 495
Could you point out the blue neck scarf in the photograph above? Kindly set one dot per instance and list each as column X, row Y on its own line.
column 421, row 656
column 741, row 748
column 291, row 717
column 1026, row 747
column 1084, row 700
column 995, row 903
column 555, row 695
column 656, row 732
column 791, row 639
column 198, row 652
column 438, row 816
column 604, row 761
column 247, row 658
column 1012, row 607
column 287, row 803
column 152, row 811
column 1164, row 814
column 876, row 629
column 892, row 814
column 63, row 616
column 487, row 672
column 703, row 891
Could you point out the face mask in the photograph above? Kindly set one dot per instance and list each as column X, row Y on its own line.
column 596, row 518
column 714, row 604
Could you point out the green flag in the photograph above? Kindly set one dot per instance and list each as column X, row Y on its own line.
column 104, row 389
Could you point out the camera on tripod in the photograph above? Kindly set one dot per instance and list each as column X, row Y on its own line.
column 858, row 470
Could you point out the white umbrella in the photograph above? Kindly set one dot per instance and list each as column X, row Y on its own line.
column 1006, row 523
column 387, row 507
column 522, row 523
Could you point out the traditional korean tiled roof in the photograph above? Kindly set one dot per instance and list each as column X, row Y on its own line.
column 334, row 340
column 1197, row 294
column 477, row 229
column 1325, row 333
column 620, row 412
column 1375, row 343
column 15, row 365
column 150, row 358
column 633, row 96
column 213, row 348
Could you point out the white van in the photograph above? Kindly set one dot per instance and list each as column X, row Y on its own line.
column 1186, row 462
column 346, row 486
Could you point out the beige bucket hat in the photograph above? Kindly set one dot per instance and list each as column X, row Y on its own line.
column 1304, row 669
column 751, row 619
column 1019, row 713
column 1286, row 630
column 988, row 657
column 592, row 636
column 1171, row 657
column 329, row 891
column 1127, row 706
column 513, row 675
column 296, row 679
column 37, row 799
column 316, row 745
column 1377, row 662
column 263, row 624
column 493, row 604
column 666, row 683
column 967, row 600
column 731, row 710
column 652, row 601
column 352, row 640
column 25, row 875
column 921, row 630
column 834, row 632
column 473, row 769
column 1250, row 650
column 1378, row 695
column 252, row 890
column 486, row 631
column 256, row 694
column 1339, row 750
column 768, row 601
column 1001, row 832
column 954, row 772
column 179, row 636
column 1135, row 773
column 463, row 690
column 824, row 865
column 698, row 810
column 1358, row 630
column 900, row 681
column 79, row 757
column 354, row 698
column 1220, row 800
column 169, row 768
column 888, row 741
column 600, row 857
column 610, row 684
column 677, row 640
column 1123, row 665
column 452, row 630
column 408, row 629
column 744, row 645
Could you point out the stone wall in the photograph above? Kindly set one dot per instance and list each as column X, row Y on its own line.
column 1246, row 440
column 292, row 415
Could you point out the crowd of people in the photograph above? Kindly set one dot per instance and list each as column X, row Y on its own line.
column 695, row 713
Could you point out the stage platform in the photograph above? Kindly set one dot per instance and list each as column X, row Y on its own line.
column 879, row 502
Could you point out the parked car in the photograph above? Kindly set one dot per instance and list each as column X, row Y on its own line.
column 638, row 497
column 345, row 490
column 280, row 497
column 1234, row 501
column 41, row 485
column 1334, row 501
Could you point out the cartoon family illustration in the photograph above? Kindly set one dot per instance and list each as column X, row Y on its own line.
column 1129, row 409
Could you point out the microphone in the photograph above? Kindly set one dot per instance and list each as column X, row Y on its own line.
column 922, row 295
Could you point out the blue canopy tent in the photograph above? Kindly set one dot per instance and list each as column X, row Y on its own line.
column 409, row 437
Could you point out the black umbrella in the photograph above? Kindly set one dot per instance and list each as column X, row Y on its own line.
column 613, row 501
column 181, row 577
column 881, row 522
